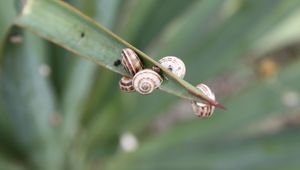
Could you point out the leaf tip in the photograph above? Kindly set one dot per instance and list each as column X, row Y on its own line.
column 217, row 104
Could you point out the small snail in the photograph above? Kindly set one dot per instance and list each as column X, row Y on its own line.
column 131, row 61
column 146, row 81
column 126, row 84
column 202, row 109
column 174, row 64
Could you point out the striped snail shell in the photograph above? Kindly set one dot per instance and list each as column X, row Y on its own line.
column 174, row 64
column 146, row 81
column 126, row 85
column 131, row 61
column 203, row 109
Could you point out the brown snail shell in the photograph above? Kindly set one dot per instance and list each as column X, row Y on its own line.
column 131, row 61
column 126, row 85
column 203, row 109
column 174, row 64
column 146, row 81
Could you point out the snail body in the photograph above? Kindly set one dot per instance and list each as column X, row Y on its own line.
column 126, row 85
column 203, row 109
column 131, row 61
column 146, row 81
column 174, row 64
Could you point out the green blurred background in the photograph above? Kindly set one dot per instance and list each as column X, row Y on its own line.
column 61, row 112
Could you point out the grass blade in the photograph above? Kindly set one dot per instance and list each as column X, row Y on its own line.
column 29, row 100
column 94, row 42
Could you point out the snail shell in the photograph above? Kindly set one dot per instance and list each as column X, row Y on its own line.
column 174, row 64
column 126, row 85
column 203, row 109
column 146, row 81
column 131, row 61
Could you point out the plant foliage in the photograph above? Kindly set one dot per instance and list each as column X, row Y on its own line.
column 62, row 112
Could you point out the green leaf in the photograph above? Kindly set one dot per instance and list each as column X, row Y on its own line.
column 270, row 151
column 92, row 41
column 7, row 16
column 284, row 34
column 210, row 41
column 29, row 100
column 82, row 76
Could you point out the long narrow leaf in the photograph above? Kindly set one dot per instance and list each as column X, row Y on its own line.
column 94, row 42
column 28, row 98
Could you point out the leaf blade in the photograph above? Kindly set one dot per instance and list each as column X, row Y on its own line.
column 94, row 42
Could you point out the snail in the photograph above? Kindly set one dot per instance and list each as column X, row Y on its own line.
column 174, row 64
column 126, row 85
column 146, row 81
column 203, row 109
column 131, row 61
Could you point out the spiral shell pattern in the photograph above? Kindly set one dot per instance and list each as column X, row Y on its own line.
column 131, row 61
column 126, row 85
column 174, row 64
column 203, row 109
column 146, row 81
